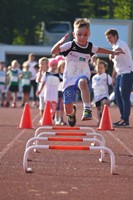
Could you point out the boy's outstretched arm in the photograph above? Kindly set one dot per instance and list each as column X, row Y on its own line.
column 56, row 48
column 106, row 51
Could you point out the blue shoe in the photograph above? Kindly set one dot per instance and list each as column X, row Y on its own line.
column 87, row 115
column 117, row 123
column 72, row 119
column 124, row 124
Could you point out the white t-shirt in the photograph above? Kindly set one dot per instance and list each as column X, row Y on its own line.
column 76, row 62
column 32, row 69
column 60, row 88
column 40, row 83
column 122, row 63
column 52, row 82
column 100, row 86
column 2, row 77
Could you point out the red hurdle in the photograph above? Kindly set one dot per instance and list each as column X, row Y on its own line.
column 94, row 135
column 54, row 147
column 62, row 128
column 32, row 143
column 69, row 147
column 35, row 140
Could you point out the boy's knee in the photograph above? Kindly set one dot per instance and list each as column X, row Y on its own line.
column 82, row 83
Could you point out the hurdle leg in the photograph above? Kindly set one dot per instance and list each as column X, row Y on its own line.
column 26, row 154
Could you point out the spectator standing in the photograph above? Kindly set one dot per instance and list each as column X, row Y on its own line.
column 25, row 77
column 32, row 62
column 59, row 114
column 92, row 65
column 122, row 76
column 13, row 87
column 3, row 83
column 100, row 82
column 50, row 83
column 43, row 67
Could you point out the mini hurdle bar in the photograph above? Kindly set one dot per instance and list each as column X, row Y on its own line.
column 54, row 147
column 73, row 134
column 65, row 127
column 59, row 128
column 92, row 133
column 62, row 128
column 35, row 140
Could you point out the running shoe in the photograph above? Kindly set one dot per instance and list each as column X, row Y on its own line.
column 87, row 115
column 117, row 123
column 123, row 124
column 72, row 118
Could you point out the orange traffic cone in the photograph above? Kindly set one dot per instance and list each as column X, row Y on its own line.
column 25, row 121
column 47, row 118
column 105, row 123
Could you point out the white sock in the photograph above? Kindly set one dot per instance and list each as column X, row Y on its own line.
column 87, row 106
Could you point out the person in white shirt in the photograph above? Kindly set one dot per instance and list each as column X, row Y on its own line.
column 59, row 114
column 43, row 67
column 3, row 83
column 77, row 73
column 122, row 76
column 13, row 86
column 25, row 76
column 100, row 83
column 50, row 83
column 32, row 62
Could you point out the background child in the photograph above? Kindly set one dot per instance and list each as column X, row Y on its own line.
column 25, row 77
column 43, row 67
column 32, row 62
column 3, row 83
column 13, row 75
column 51, row 80
column 59, row 114
column 100, row 83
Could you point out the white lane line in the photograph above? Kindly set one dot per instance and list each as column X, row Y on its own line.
column 119, row 141
column 10, row 145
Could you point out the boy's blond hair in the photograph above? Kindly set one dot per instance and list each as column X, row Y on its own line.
column 81, row 22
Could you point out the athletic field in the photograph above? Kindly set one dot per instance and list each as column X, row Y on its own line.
column 61, row 174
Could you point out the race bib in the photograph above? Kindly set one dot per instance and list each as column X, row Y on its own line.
column 14, row 79
column 77, row 69
column 25, row 82
column 2, row 79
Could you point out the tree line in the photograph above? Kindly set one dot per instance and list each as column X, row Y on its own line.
column 20, row 20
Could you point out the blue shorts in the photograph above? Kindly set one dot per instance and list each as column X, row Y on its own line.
column 69, row 93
